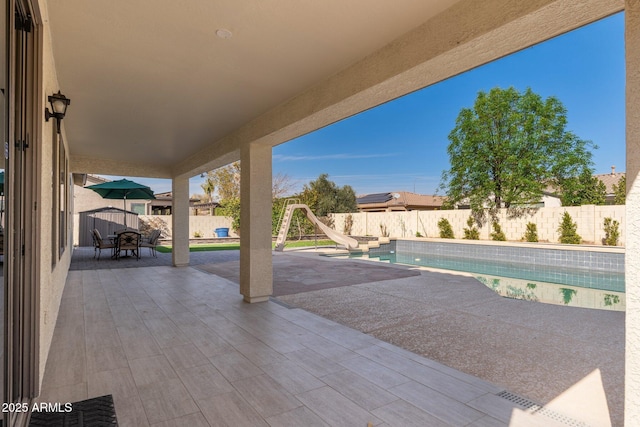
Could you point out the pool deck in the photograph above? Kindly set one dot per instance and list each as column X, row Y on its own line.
column 394, row 344
column 532, row 349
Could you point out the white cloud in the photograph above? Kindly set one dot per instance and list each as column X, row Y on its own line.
column 340, row 156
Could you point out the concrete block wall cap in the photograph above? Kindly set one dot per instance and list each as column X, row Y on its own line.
column 581, row 247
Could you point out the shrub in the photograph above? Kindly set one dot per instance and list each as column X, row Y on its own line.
column 472, row 232
column 418, row 234
column 567, row 230
column 383, row 230
column 531, row 235
column 231, row 208
column 446, row 232
column 611, row 232
column 348, row 225
column 497, row 233
column 197, row 234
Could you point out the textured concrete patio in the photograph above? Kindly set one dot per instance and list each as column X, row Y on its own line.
column 178, row 347
column 533, row 349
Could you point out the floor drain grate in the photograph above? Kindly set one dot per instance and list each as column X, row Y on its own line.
column 537, row 409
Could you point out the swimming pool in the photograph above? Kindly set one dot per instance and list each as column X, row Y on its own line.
column 594, row 279
column 566, row 270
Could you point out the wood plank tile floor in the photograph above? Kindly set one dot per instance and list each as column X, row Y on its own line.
column 178, row 347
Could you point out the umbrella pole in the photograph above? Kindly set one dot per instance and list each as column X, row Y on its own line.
column 125, row 210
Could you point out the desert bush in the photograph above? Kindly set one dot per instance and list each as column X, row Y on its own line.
column 531, row 235
column 567, row 230
column 446, row 232
column 472, row 232
column 611, row 232
column 498, row 234
column 348, row 225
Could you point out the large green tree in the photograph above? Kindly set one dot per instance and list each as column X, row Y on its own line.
column 324, row 197
column 507, row 148
column 225, row 181
column 584, row 189
column 620, row 191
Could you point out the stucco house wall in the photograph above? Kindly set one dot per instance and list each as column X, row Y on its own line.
column 52, row 273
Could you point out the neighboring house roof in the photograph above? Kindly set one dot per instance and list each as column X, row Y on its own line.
column 168, row 195
column 610, row 179
column 95, row 179
column 88, row 179
column 108, row 209
column 206, row 205
column 399, row 200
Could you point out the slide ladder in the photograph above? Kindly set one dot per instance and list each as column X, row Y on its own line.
column 285, row 222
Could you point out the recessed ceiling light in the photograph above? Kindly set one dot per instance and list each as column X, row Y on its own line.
column 223, row 33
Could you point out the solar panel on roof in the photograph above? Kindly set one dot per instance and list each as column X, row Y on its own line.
column 374, row 198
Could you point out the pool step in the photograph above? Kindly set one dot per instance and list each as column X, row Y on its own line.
column 364, row 247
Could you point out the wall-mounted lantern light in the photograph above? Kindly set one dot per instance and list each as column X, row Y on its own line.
column 59, row 104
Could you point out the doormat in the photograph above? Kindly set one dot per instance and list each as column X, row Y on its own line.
column 95, row 412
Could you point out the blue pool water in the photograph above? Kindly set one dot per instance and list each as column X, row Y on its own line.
column 580, row 277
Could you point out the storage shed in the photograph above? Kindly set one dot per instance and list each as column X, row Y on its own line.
column 106, row 220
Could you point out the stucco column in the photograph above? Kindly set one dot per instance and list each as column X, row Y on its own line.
column 256, row 267
column 180, row 221
column 632, row 257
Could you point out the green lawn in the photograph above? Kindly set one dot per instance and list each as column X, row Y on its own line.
column 305, row 243
column 235, row 246
column 203, row 247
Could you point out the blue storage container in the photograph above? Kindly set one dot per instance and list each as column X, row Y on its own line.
column 222, row 232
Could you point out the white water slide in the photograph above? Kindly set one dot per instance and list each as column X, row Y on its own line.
column 348, row 242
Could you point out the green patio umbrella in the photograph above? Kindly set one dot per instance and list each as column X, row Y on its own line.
column 123, row 189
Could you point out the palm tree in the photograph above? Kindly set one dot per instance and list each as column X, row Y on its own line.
column 208, row 186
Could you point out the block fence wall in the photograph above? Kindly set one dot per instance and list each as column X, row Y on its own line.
column 589, row 218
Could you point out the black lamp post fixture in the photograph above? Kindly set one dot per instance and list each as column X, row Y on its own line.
column 59, row 104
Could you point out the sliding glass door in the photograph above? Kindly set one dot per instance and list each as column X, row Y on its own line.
column 20, row 296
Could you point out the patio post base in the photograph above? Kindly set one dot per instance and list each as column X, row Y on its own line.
column 251, row 300
column 183, row 264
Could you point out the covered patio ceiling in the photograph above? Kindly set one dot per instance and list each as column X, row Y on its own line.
column 156, row 92
column 153, row 83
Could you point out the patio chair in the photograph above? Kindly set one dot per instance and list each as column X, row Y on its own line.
column 128, row 241
column 152, row 242
column 99, row 244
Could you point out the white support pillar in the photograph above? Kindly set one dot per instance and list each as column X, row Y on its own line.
column 180, row 221
column 256, row 267
column 632, row 257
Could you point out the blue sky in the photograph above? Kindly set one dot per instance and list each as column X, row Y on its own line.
column 401, row 145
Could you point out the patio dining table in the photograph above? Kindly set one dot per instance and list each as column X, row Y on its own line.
column 114, row 239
